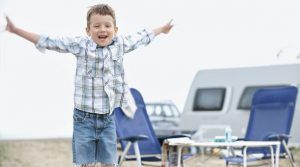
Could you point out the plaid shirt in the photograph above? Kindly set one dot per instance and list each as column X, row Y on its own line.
column 100, row 84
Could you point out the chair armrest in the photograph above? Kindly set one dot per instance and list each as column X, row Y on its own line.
column 240, row 139
column 174, row 136
column 134, row 138
column 279, row 137
column 161, row 139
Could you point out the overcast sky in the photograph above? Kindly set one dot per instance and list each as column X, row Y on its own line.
column 36, row 98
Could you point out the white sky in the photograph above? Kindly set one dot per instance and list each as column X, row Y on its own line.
column 36, row 98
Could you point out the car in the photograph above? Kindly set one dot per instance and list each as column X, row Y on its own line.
column 164, row 116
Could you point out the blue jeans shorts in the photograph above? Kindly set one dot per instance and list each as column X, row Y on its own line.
column 94, row 138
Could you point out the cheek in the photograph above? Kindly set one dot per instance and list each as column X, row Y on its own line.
column 112, row 33
column 94, row 33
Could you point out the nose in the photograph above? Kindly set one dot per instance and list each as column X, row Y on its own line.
column 102, row 28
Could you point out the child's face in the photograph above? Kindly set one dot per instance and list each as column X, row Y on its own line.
column 102, row 29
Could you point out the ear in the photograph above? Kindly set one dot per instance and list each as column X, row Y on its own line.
column 87, row 29
column 116, row 29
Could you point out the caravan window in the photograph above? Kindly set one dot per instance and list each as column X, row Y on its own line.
column 209, row 99
column 246, row 98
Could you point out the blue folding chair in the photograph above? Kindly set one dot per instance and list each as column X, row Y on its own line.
column 270, row 119
column 137, row 132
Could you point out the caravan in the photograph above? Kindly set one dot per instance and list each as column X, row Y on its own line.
column 219, row 98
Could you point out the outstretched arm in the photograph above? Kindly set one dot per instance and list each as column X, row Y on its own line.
column 59, row 44
column 10, row 27
column 163, row 29
column 144, row 37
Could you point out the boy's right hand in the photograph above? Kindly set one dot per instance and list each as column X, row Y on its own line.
column 10, row 27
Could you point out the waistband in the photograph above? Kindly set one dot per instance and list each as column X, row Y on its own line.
column 91, row 115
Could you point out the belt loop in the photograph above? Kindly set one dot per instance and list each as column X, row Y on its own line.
column 89, row 115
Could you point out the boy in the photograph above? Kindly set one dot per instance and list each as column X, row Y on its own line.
column 100, row 85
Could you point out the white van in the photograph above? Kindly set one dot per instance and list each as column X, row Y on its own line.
column 164, row 116
column 222, row 97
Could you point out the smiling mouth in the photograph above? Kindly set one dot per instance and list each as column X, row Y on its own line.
column 102, row 37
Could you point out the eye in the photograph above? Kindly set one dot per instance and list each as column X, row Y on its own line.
column 96, row 26
column 107, row 25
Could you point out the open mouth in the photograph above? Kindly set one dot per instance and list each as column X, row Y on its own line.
column 102, row 37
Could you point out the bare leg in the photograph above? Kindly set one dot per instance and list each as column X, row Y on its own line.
column 95, row 165
column 88, row 165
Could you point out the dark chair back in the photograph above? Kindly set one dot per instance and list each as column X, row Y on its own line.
column 271, row 113
column 139, row 125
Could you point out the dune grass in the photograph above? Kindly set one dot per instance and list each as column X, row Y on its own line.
column 1, row 154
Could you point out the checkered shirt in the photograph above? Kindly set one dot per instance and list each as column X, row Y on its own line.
column 100, row 84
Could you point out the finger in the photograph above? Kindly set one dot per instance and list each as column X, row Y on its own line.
column 170, row 27
column 171, row 22
column 7, row 19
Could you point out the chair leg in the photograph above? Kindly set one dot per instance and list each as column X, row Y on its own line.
column 137, row 154
column 179, row 151
column 124, row 153
column 290, row 156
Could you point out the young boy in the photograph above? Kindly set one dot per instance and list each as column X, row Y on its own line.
column 100, row 84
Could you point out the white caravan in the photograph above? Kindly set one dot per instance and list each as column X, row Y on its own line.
column 222, row 97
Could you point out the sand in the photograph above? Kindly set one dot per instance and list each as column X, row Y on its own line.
column 57, row 153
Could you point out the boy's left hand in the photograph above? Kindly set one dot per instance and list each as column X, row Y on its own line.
column 166, row 28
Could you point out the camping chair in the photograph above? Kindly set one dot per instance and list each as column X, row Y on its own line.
column 270, row 118
column 137, row 132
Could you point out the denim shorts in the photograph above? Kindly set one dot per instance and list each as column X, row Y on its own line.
column 94, row 138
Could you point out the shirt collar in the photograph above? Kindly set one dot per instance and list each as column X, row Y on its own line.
column 93, row 46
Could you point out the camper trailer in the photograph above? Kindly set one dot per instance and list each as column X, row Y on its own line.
column 222, row 97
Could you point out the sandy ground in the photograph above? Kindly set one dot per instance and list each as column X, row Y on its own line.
column 57, row 153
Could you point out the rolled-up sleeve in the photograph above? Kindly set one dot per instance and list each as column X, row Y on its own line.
column 133, row 41
column 61, row 44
